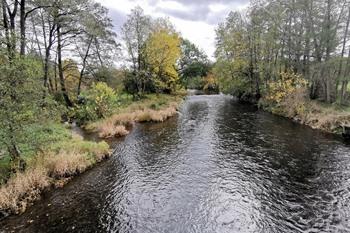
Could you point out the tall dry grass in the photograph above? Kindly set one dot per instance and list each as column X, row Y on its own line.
column 23, row 189
column 66, row 163
column 48, row 169
column 109, row 129
column 314, row 114
column 116, row 125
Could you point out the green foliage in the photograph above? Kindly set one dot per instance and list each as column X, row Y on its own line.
column 38, row 137
column 112, row 76
column 71, row 76
column 97, row 103
column 195, row 83
column 21, row 102
column 104, row 74
column 139, row 83
column 193, row 63
column 232, row 78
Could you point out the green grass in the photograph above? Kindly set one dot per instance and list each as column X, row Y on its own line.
column 4, row 169
column 49, row 137
column 35, row 138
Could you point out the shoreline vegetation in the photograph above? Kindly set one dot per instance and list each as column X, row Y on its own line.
column 291, row 59
column 54, row 166
column 155, row 108
column 71, row 155
column 96, row 85
column 332, row 119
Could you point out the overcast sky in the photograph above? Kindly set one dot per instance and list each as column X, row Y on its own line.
column 196, row 20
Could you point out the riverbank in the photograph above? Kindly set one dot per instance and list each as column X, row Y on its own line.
column 221, row 156
column 153, row 108
column 69, row 154
column 330, row 118
column 54, row 166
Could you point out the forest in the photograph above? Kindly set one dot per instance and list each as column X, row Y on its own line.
column 289, row 56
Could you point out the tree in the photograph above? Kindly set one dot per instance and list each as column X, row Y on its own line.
column 135, row 32
column 71, row 76
column 193, row 62
column 20, row 103
column 299, row 36
column 96, row 46
column 162, row 51
column 35, row 36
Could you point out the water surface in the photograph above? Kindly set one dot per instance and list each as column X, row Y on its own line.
column 217, row 167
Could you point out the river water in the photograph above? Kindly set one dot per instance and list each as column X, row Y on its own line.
column 217, row 167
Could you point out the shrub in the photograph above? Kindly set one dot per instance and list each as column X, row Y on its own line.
column 96, row 103
column 286, row 85
column 294, row 104
column 210, row 84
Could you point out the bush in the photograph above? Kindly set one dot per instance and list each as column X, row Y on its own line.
column 141, row 83
column 96, row 103
column 210, row 84
column 195, row 83
column 286, row 85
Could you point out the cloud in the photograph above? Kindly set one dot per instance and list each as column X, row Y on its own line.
column 118, row 18
column 195, row 19
column 207, row 11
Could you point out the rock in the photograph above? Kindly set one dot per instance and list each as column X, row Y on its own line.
column 346, row 132
column 3, row 214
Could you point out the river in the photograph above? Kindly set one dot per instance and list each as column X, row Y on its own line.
column 217, row 167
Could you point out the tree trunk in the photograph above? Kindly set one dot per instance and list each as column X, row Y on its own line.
column 84, row 64
column 339, row 76
column 17, row 162
column 343, row 91
column 23, row 27
column 12, row 18
column 60, row 68
column 6, row 28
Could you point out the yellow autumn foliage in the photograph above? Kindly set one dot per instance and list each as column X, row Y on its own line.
column 162, row 52
column 287, row 84
column 210, row 83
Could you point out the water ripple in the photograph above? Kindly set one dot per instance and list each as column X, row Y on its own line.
column 218, row 167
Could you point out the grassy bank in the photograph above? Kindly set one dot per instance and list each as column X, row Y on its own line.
column 151, row 108
column 56, row 164
column 56, row 154
column 318, row 115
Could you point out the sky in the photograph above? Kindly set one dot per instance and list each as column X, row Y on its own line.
column 196, row 20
